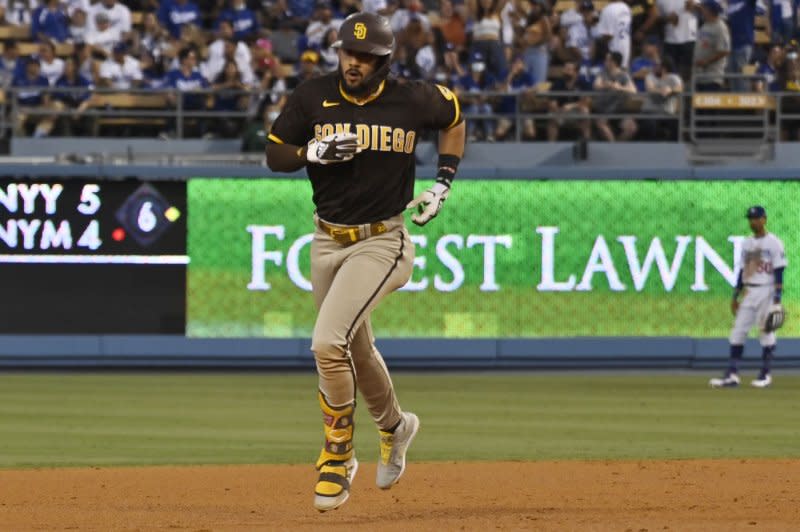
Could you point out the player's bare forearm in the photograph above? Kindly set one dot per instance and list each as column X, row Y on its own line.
column 286, row 157
column 451, row 141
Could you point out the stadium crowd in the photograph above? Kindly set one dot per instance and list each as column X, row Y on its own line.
column 500, row 56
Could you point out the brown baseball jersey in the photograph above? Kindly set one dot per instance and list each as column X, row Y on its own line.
column 378, row 183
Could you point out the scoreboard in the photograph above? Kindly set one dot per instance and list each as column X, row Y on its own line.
column 92, row 257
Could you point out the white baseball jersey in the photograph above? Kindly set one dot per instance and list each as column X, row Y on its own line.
column 579, row 37
column 760, row 257
column 686, row 28
column 615, row 20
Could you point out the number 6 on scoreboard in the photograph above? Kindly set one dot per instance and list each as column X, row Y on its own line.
column 90, row 201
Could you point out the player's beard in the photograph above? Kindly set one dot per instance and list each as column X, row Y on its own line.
column 369, row 83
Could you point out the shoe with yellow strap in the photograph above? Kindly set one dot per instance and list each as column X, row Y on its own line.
column 394, row 446
column 337, row 464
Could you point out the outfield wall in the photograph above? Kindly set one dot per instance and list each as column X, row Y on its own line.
column 180, row 267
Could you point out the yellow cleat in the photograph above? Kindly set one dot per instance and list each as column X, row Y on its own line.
column 337, row 463
column 333, row 486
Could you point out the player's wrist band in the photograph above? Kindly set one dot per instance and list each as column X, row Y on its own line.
column 448, row 165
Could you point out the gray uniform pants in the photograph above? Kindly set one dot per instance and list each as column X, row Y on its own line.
column 348, row 282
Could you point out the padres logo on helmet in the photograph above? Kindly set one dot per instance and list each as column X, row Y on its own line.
column 360, row 31
column 366, row 32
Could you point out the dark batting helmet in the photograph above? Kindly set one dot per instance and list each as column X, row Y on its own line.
column 366, row 32
column 371, row 34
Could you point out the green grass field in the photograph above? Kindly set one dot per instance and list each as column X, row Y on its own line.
column 139, row 419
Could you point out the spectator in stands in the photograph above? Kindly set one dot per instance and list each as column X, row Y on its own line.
column 102, row 36
column 402, row 16
column 580, row 36
column 782, row 21
column 570, row 107
column 87, row 66
column 417, row 55
column 486, row 36
column 741, row 21
column 536, row 39
column 72, row 5
column 51, row 67
column 642, row 66
column 121, row 71
column 307, row 68
column 303, row 9
column 49, row 22
column 344, row 8
column 614, row 29
column 589, row 69
column 711, row 49
column 381, row 7
column 224, row 49
column 450, row 71
column 680, row 33
column 175, row 14
column 119, row 16
column 31, row 95
column 17, row 12
column 517, row 82
column 186, row 82
column 452, row 25
column 243, row 20
column 644, row 19
column 229, row 97
column 617, row 87
column 569, row 17
column 510, row 25
column 263, row 58
column 152, row 71
column 468, row 88
column 73, row 99
column 273, row 89
column 664, row 87
column 329, row 56
column 791, row 104
column 10, row 63
column 153, row 37
column 769, row 71
column 322, row 23
column 78, row 26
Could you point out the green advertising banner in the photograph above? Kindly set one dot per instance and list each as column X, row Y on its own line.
column 503, row 259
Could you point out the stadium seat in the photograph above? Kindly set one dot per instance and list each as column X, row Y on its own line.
column 14, row 32
column 121, row 101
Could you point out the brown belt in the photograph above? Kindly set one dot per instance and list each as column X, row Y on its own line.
column 347, row 235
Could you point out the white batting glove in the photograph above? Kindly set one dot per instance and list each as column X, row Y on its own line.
column 335, row 148
column 429, row 203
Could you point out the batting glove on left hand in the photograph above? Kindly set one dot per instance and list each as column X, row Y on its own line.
column 429, row 203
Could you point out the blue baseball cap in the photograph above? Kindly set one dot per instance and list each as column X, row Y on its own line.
column 586, row 5
column 756, row 211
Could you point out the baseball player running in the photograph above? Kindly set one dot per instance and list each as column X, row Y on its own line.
column 761, row 282
column 355, row 131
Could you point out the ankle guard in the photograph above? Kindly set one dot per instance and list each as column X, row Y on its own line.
column 338, row 427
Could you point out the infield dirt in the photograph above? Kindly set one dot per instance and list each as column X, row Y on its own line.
column 570, row 495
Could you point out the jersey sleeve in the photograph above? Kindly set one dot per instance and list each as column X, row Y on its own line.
column 605, row 26
column 778, row 254
column 438, row 106
column 292, row 125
